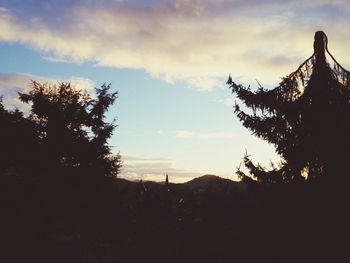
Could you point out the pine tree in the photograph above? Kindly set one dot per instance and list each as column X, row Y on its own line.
column 73, row 133
column 57, row 170
column 305, row 117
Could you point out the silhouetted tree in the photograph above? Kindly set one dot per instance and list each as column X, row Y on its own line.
column 72, row 131
column 305, row 117
column 57, row 170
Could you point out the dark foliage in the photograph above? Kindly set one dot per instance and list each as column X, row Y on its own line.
column 207, row 220
column 72, row 133
column 305, row 117
column 18, row 137
column 57, row 172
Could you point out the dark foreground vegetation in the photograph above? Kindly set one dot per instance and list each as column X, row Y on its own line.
column 61, row 200
column 220, row 221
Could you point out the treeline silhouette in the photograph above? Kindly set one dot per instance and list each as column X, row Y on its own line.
column 61, row 199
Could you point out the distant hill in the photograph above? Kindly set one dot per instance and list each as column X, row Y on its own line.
column 213, row 183
column 203, row 183
column 207, row 179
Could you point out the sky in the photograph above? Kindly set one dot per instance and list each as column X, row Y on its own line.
column 169, row 61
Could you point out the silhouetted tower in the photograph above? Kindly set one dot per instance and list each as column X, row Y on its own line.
column 306, row 117
column 166, row 180
column 141, row 188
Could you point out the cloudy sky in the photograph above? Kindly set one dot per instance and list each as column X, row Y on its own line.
column 169, row 60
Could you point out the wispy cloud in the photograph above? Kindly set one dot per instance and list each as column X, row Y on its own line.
column 184, row 134
column 153, row 169
column 228, row 102
column 12, row 83
column 216, row 135
column 195, row 41
column 204, row 135
column 204, row 84
column 160, row 132
column 22, row 81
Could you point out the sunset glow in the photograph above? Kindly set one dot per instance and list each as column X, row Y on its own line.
column 169, row 61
